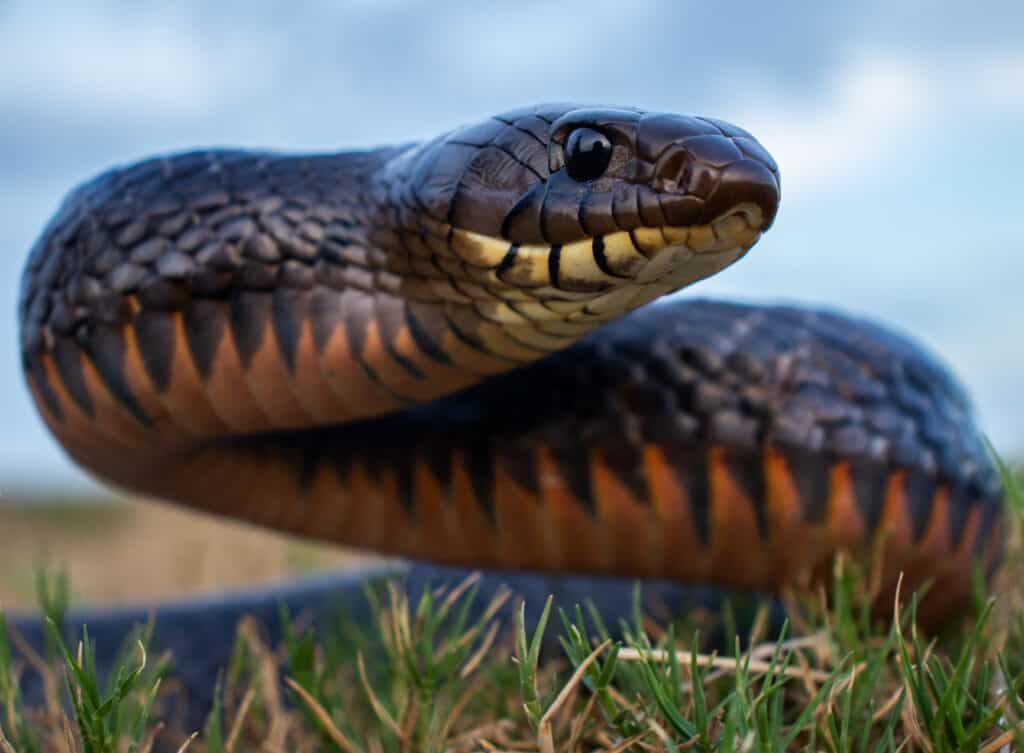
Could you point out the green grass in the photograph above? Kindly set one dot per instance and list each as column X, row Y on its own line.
column 424, row 677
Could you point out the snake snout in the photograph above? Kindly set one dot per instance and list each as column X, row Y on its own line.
column 572, row 215
column 744, row 185
column 705, row 178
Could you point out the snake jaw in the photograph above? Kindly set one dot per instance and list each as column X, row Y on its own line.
column 508, row 176
column 503, row 227
column 677, row 200
column 589, row 281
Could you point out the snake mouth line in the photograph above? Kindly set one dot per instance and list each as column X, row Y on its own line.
column 598, row 278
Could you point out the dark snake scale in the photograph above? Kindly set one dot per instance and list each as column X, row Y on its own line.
column 428, row 351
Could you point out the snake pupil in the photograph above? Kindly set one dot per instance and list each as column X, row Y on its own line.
column 587, row 153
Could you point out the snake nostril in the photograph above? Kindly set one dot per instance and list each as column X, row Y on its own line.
column 672, row 170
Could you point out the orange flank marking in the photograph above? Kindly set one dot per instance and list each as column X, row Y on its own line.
column 951, row 585
column 391, row 350
column 342, row 372
column 376, row 517
column 575, row 540
column 392, row 374
column 224, row 391
column 185, row 396
column 794, row 545
column 164, row 422
column 628, row 524
column 932, row 552
column 76, row 431
column 76, row 424
column 271, row 384
column 434, row 321
column 53, row 423
column 275, row 501
column 682, row 556
column 846, row 529
column 932, row 560
column 281, row 482
column 167, row 421
column 478, row 541
column 738, row 556
column 330, row 504
column 393, row 527
column 315, row 394
column 110, row 413
column 436, row 516
column 524, row 538
column 896, row 527
column 438, row 378
column 235, row 487
column 219, row 483
column 368, row 521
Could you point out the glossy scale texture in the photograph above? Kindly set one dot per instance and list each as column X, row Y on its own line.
column 408, row 349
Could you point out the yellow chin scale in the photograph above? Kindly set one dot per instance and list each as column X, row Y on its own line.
column 521, row 301
column 586, row 282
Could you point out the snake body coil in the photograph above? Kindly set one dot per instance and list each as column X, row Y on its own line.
column 408, row 349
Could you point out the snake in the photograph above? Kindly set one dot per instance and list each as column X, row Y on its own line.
column 466, row 351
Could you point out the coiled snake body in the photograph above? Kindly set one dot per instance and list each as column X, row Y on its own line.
column 409, row 350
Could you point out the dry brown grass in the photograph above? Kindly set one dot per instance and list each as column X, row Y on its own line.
column 121, row 551
column 845, row 683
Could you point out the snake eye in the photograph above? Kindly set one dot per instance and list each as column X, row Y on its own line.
column 587, row 153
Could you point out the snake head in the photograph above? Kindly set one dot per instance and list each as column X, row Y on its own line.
column 603, row 207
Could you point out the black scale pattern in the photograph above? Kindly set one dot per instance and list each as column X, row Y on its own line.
column 174, row 233
column 689, row 375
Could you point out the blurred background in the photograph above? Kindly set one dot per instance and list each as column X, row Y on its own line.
column 897, row 125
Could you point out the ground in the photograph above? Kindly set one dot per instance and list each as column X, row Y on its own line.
column 422, row 680
column 173, row 551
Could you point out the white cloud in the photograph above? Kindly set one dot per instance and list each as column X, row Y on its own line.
column 533, row 43
column 131, row 64
column 997, row 78
column 874, row 106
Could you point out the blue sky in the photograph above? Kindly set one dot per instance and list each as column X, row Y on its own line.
column 897, row 124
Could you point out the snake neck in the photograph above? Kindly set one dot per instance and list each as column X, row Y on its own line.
column 291, row 290
column 217, row 294
column 485, row 304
